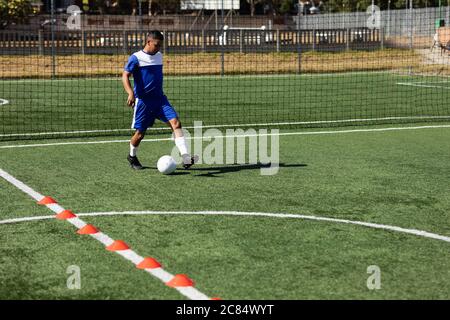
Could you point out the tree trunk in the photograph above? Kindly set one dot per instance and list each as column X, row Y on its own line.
column 252, row 8
column 149, row 7
column 133, row 7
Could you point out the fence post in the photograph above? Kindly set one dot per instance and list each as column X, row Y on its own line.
column 347, row 39
column 125, row 42
column 314, row 40
column 381, row 38
column 241, row 41
column 411, row 30
column 299, row 49
column 278, row 40
column 165, row 41
column 83, row 42
column 203, row 41
column 41, row 42
column 222, row 54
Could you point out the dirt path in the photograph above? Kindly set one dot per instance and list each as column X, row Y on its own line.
column 435, row 56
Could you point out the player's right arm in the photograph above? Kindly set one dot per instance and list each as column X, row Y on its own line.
column 127, row 86
column 131, row 66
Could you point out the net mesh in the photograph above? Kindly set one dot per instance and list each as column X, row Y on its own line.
column 318, row 71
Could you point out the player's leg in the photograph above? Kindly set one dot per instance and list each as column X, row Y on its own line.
column 134, row 144
column 142, row 119
column 168, row 115
column 136, row 141
column 180, row 142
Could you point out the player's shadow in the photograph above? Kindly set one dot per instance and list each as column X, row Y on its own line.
column 216, row 171
column 178, row 172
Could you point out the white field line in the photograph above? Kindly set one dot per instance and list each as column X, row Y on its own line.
column 420, row 85
column 415, row 232
column 36, row 134
column 228, row 136
column 206, row 77
column 432, row 82
column 130, row 255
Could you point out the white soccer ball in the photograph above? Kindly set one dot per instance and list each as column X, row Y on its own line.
column 166, row 165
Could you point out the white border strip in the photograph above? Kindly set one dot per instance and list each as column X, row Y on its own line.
column 243, row 135
column 219, row 77
column 230, row 125
column 164, row 276
column 411, row 84
column 415, row 232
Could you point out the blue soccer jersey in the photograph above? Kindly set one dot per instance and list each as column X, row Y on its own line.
column 151, row 103
column 147, row 73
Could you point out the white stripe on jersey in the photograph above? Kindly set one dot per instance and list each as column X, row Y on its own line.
column 134, row 113
column 146, row 59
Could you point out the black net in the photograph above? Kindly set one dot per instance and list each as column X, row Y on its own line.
column 300, row 71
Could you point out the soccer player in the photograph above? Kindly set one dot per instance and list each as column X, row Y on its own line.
column 148, row 99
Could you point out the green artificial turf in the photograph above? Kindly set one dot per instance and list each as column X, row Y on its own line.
column 398, row 178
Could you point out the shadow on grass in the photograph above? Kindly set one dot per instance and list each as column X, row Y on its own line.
column 214, row 171
column 178, row 172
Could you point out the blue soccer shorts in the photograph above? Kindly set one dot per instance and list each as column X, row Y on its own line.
column 147, row 110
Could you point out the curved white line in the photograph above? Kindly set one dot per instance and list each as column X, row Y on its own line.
column 415, row 232
column 3, row 102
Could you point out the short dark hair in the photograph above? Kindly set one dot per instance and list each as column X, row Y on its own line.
column 155, row 34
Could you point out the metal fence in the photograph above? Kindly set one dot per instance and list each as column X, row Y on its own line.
column 395, row 22
column 236, row 40
column 325, row 32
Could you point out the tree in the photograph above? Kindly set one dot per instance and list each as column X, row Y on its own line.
column 275, row 7
column 401, row 4
column 133, row 7
column 102, row 6
column 150, row 7
column 253, row 4
column 285, row 6
column 169, row 5
column 153, row 6
column 14, row 11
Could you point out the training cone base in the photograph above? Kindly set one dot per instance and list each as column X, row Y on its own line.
column 66, row 214
column 216, row 298
column 88, row 229
column 149, row 263
column 46, row 200
column 117, row 245
column 180, row 280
